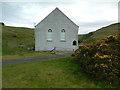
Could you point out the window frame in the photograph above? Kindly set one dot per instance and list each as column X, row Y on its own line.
column 63, row 35
column 49, row 35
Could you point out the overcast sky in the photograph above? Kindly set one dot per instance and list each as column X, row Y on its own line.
column 90, row 15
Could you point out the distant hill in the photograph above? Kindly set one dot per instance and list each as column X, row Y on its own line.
column 15, row 37
column 99, row 34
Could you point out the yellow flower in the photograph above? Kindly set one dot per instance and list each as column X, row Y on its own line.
column 103, row 45
column 97, row 55
column 104, row 56
column 111, row 36
column 103, row 65
column 96, row 65
column 110, row 60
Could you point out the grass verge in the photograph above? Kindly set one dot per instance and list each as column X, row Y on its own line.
column 32, row 54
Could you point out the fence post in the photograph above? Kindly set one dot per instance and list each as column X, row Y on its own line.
column 54, row 50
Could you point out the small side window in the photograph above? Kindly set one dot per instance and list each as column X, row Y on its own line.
column 74, row 43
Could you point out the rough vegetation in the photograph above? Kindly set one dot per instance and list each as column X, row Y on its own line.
column 17, row 40
column 101, row 60
column 99, row 34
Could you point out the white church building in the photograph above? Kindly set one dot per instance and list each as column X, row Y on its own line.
column 56, row 31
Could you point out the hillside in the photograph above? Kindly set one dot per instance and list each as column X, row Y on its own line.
column 99, row 34
column 15, row 37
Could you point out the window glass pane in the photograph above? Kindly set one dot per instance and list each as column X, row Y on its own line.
column 49, row 34
column 62, row 37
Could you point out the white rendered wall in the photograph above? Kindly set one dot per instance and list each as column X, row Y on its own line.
column 56, row 21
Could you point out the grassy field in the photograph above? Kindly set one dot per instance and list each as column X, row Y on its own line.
column 100, row 33
column 54, row 73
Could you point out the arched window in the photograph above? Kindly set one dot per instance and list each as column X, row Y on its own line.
column 62, row 35
column 62, row 30
column 49, row 35
column 49, row 30
column 74, row 43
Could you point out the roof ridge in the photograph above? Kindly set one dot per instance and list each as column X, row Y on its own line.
column 67, row 16
column 62, row 13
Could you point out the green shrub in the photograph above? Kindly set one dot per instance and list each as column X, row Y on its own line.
column 101, row 60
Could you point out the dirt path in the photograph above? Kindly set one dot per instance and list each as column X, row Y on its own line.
column 15, row 61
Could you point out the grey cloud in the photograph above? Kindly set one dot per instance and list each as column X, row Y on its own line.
column 0, row 11
column 96, row 23
column 119, row 12
column 12, row 13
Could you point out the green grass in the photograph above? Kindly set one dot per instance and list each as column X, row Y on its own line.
column 54, row 73
column 99, row 34
column 33, row 54
column 13, row 37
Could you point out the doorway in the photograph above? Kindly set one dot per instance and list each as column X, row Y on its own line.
column 74, row 43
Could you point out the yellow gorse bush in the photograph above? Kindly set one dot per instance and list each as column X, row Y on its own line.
column 101, row 58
